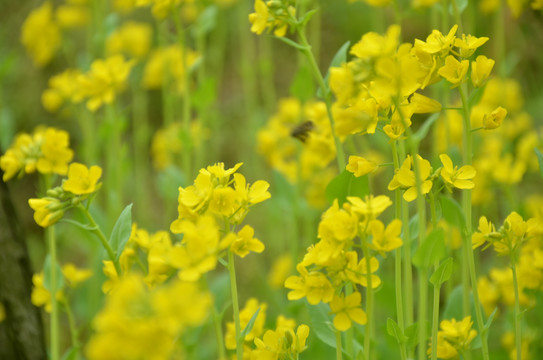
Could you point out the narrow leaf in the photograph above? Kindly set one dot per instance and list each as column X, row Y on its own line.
column 250, row 325
column 490, row 318
column 443, row 272
column 431, row 250
column 452, row 212
column 412, row 333
column 291, row 43
column 540, row 160
column 79, row 224
column 346, row 184
column 321, row 324
column 303, row 85
column 339, row 58
column 121, row 231
column 423, row 130
column 393, row 329
column 207, row 20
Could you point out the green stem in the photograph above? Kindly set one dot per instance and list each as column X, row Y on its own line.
column 103, row 240
column 398, row 256
column 218, row 328
column 187, row 150
column 235, row 304
column 518, row 339
column 73, row 328
column 326, row 94
column 115, row 124
column 369, row 302
column 54, row 325
column 466, row 206
column 339, row 352
column 437, row 287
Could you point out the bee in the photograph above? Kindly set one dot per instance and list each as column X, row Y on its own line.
column 301, row 132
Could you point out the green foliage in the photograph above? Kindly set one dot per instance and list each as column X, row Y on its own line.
column 121, row 231
column 346, row 184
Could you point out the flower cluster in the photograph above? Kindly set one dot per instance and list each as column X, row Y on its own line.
column 331, row 266
column 285, row 342
column 46, row 150
column 454, row 338
column 272, row 15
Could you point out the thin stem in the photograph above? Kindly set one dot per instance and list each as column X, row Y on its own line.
column 518, row 339
column 235, row 304
column 73, row 328
column 437, row 287
column 326, row 94
column 369, row 302
column 103, row 240
column 339, row 352
column 54, row 325
column 218, row 328
column 398, row 256
column 466, row 206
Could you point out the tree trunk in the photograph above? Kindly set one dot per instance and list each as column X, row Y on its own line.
column 21, row 332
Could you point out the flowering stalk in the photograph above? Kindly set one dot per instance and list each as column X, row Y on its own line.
column 369, row 301
column 466, row 206
column 306, row 50
column 235, row 304
column 96, row 229
column 54, row 326
column 339, row 351
column 437, row 287
column 73, row 327
column 218, row 327
column 398, row 255
column 518, row 339
column 186, row 93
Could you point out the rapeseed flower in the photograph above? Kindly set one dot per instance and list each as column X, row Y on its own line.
column 40, row 35
column 313, row 285
column 47, row 210
column 132, row 39
column 494, row 119
column 405, row 178
column 61, row 88
column 81, row 179
column 171, row 63
column 480, row 70
column 282, row 343
column 454, row 338
column 347, row 309
column 454, row 71
column 385, row 240
column 252, row 305
column 461, row 178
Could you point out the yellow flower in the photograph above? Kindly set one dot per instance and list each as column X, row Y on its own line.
column 270, row 17
column 494, row 119
column 468, row 44
column 71, row 16
column 454, row 71
column 40, row 35
column 459, row 178
column 246, row 243
column 251, row 307
column 360, row 166
column 56, row 153
column 369, row 208
column 347, row 310
column 454, row 337
column 259, row 19
column 436, row 43
column 479, row 237
column 281, row 343
column 373, row 45
column 47, row 211
column 40, row 295
column 281, row 268
column 405, row 178
column 313, row 285
column 103, row 82
column 61, row 88
column 132, row 38
column 385, row 240
column 82, row 180
column 75, row 276
column 480, row 70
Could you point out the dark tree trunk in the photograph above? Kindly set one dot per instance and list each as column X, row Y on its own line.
column 21, row 332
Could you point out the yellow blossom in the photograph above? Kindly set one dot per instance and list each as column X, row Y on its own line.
column 312, row 285
column 61, row 89
column 245, row 315
column 494, row 119
column 385, row 240
column 41, row 35
column 454, row 337
column 374, row 45
column 436, row 42
column 82, row 180
column 246, row 243
column 72, row 16
column 405, row 178
column 468, row 44
column 453, row 177
column 56, row 152
column 40, row 295
column 360, row 166
column 480, row 70
column 347, row 310
column 371, row 207
column 132, row 38
column 75, row 276
column 454, row 71
column 47, row 211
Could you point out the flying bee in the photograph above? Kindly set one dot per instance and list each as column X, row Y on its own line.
column 301, row 132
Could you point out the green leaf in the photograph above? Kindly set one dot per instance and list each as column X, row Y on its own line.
column 423, row 130
column 206, row 21
column 307, row 16
column 121, row 231
column 475, row 96
column 346, row 184
column 460, row 4
column 452, row 212
column 80, row 225
column 431, row 250
column 321, row 324
column 339, row 58
column 394, row 330
column 443, row 272
column 453, row 308
column 250, row 325
column 412, row 333
column 70, row 354
column 490, row 319
column 540, row 160
column 47, row 274
column 303, row 86
column 205, row 93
